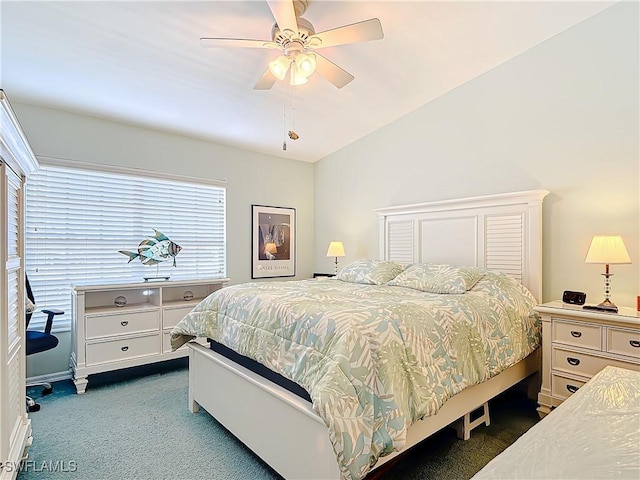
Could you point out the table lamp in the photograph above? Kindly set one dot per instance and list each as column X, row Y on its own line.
column 607, row 249
column 336, row 249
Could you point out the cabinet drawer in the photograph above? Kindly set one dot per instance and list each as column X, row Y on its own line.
column 171, row 316
column 115, row 350
column 579, row 334
column 563, row 387
column 583, row 363
column 624, row 342
column 121, row 324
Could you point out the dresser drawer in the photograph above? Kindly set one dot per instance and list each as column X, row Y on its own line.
column 171, row 316
column 115, row 350
column 583, row 363
column 623, row 342
column 563, row 387
column 97, row 326
column 578, row 334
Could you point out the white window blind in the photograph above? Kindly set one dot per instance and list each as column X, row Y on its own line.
column 78, row 219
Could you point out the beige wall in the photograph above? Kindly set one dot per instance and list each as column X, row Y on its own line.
column 252, row 179
column 563, row 116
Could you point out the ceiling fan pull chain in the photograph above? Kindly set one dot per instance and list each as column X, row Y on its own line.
column 284, row 126
column 292, row 133
column 284, row 118
column 293, row 108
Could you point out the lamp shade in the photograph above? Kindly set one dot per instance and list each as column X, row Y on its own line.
column 297, row 77
column 336, row 249
column 299, row 66
column 306, row 63
column 607, row 249
column 279, row 67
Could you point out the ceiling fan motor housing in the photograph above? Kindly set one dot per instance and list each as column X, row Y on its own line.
column 293, row 42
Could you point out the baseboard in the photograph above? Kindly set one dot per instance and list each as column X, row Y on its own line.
column 50, row 377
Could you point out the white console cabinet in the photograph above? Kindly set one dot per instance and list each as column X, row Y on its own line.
column 121, row 326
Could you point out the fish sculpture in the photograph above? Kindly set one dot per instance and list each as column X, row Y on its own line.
column 153, row 250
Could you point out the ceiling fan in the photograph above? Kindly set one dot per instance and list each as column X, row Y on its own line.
column 298, row 43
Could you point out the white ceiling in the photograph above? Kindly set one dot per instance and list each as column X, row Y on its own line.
column 142, row 63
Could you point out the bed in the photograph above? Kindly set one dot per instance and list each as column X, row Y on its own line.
column 489, row 249
column 593, row 434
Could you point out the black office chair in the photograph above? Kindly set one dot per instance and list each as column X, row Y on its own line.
column 37, row 342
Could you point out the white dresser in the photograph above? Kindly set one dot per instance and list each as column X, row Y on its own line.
column 121, row 326
column 16, row 163
column 577, row 344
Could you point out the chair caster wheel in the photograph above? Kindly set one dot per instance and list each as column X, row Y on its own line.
column 33, row 408
column 47, row 391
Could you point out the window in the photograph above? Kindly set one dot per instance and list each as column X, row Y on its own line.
column 77, row 220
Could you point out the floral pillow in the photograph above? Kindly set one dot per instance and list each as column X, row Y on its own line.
column 434, row 278
column 370, row 272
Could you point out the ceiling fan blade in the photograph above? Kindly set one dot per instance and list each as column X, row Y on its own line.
column 357, row 32
column 237, row 42
column 266, row 81
column 284, row 14
column 332, row 72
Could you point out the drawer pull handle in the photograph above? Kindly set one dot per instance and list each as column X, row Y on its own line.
column 573, row 361
column 572, row 388
column 124, row 323
column 124, row 349
column 634, row 343
column 576, row 334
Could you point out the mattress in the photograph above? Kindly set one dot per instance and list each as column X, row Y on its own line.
column 374, row 359
column 594, row 434
column 259, row 369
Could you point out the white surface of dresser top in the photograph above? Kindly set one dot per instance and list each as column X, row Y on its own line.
column 151, row 284
column 625, row 314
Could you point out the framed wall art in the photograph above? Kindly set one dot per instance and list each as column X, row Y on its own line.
column 273, row 240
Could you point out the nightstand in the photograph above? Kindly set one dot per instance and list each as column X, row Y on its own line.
column 577, row 344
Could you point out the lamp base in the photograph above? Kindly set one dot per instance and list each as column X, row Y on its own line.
column 601, row 309
column 605, row 306
column 608, row 305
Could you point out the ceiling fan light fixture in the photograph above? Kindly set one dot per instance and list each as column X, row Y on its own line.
column 279, row 67
column 297, row 77
column 306, row 63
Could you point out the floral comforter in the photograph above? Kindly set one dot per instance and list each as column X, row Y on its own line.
column 374, row 358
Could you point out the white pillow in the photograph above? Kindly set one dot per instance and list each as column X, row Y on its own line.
column 435, row 278
column 370, row 272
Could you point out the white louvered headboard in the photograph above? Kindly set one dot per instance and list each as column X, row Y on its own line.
column 500, row 232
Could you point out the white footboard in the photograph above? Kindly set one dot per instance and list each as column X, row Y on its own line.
column 283, row 429
column 279, row 427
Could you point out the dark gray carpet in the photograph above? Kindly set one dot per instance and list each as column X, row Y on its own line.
column 135, row 424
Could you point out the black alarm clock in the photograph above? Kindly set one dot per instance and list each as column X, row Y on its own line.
column 574, row 298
